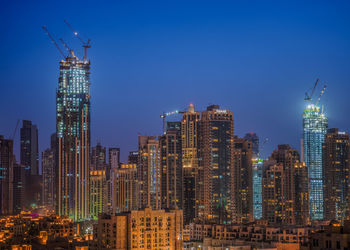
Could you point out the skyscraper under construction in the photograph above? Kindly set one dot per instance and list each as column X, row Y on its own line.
column 315, row 125
column 73, row 137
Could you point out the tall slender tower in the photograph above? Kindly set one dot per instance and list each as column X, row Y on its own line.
column 242, row 202
column 6, row 176
column 30, row 160
column 336, row 168
column 315, row 125
column 191, row 184
column 171, row 167
column 48, row 170
column 217, row 164
column 148, row 173
column 73, row 137
column 29, row 147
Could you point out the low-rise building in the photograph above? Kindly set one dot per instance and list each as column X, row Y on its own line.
column 333, row 236
column 140, row 229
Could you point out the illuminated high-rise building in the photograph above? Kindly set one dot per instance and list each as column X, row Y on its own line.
column 98, row 193
column 257, row 166
column 242, row 203
column 336, row 168
column 191, row 184
column 7, row 160
column 124, row 195
column 73, row 137
column 216, row 154
column 149, row 173
column 301, row 203
column 273, row 193
column 315, row 125
column 294, row 185
column 171, row 167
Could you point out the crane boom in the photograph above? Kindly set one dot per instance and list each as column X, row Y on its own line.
column 53, row 41
column 86, row 45
column 307, row 96
column 70, row 51
column 164, row 115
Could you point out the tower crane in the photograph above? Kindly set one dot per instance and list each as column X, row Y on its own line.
column 53, row 41
column 164, row 115
column 86, row 45
column 70, row 51
column 309, row 97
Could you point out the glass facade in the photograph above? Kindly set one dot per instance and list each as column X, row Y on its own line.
column 257, row 187
column 315, row 125
column 73, row 138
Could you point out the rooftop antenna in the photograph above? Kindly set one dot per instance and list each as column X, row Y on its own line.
column 86, row 45
column 53, row 41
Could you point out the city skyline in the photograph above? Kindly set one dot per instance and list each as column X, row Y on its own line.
column 228, row 50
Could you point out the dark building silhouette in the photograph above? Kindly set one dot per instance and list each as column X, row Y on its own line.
column 19, row 185
column 98, row 157
column 30, row 159
column 7, row 160
column 254, row 139
column 133, row 157
column 29, row 147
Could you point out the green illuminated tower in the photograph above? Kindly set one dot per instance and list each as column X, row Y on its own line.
column 73, row 138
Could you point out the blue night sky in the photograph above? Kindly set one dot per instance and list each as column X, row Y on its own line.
column 256, row 58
